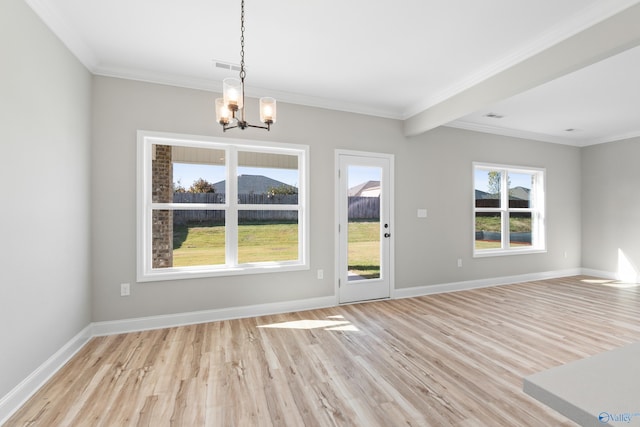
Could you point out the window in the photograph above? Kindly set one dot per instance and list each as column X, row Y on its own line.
column 508, row 210
column 215, row 206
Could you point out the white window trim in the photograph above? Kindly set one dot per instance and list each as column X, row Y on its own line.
column 538, row 210
column 145, row 273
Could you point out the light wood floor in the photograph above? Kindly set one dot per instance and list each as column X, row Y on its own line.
column 450, row 359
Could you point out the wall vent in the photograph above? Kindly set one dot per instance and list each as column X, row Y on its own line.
column 226, row 65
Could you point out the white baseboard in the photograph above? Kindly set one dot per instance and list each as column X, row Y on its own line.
column 599, row 273
column 418, row 291
column 191, row 318
column 13, row 400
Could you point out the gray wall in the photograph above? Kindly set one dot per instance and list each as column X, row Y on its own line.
column 439, row 167
column 44, row 250
column 433, row 171
column 610, row 204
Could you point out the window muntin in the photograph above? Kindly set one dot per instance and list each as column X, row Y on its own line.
column 257, row 221
column 508, row 210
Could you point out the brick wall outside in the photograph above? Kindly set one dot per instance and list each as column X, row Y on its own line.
column 162, row 220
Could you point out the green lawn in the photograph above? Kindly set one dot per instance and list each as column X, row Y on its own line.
column 492, row 223
column 205, row 245
column 364, row 249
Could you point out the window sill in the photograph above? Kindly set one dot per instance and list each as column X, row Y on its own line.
column 501, row 252
column 198, row 273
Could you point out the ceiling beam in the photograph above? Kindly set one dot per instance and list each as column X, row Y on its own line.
column 607, row 38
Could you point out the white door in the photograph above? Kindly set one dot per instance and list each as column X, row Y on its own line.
column 365, row 229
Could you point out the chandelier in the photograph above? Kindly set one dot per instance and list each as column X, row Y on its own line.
column 232, row 102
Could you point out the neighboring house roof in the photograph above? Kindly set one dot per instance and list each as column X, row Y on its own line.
column 366, row 189
column 516, row 193
column 251, row 184
column 520, row 193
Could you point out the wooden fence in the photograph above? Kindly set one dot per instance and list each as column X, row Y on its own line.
column 203, row 216
column 367, row 208
column 364, row 207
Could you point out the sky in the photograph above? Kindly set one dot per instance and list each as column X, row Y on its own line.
column 516, row 179
column 361, row 174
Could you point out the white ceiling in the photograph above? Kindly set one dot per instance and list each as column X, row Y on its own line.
column 402, row 59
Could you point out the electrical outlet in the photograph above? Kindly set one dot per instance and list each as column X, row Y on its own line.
column 320, row 274
column 125, row 289
column 459, row 262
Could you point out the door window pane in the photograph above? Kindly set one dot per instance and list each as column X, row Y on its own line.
column 363, row 234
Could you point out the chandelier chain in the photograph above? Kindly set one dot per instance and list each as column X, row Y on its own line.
column 243, row 73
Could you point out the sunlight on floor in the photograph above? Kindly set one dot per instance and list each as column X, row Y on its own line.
column 627, row 274
column 327, row 325
column 611, row 283
column 627, row 271
column 621, row 285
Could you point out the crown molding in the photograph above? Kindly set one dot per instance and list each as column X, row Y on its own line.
column 515, row 133
column 212, row 85
column 614, row 138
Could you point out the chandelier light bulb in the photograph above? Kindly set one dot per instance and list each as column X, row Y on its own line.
column 267, row 110
column 232, row 93
column 223, row 115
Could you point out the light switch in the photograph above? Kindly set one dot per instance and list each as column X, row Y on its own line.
column 422, row 213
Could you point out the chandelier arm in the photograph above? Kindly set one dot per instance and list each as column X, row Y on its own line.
column 267, row 127
column 226, row 127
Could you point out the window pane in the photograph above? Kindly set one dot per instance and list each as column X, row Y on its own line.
column 265, row 236
column 520, row 185
column 520, row 229
column 267, row 178
column 188, row 238
column 487, row 189
column 199, row 175
column 488, row 230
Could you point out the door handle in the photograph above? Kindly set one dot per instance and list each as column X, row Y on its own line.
column 387, row 234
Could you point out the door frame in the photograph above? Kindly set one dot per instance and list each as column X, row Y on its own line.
column 390, row 198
